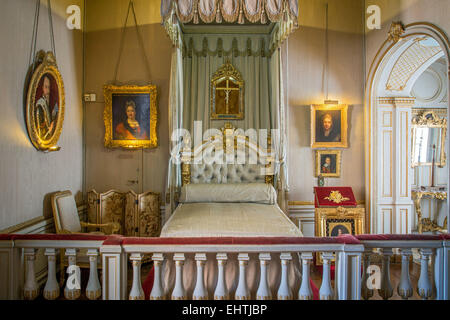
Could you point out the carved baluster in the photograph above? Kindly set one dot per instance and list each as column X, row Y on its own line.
column 30, row 289
column 51, row 289
column 366, row 293
column 305, row 292
column 404, row 288
column 284, row 292
column 386, row 290
column 424, row 287
column 178, row 292
column 157, row 290
column 221, row 289
column 72, row 291
column 263, row 292
column 136, row 292
column 199, row 291
column 326, row 291
column 93, row 289
column 242, row 292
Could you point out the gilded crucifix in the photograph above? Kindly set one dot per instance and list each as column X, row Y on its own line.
column 227, row 93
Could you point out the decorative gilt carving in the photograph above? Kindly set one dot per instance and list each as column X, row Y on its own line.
column 336, row 197
column 426, row 224
column 395, row 32
column 429, row 119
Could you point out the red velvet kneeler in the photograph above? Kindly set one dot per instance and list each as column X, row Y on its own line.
column 148, row 285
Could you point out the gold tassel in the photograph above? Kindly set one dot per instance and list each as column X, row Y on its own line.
column 263, row 15
column 241, row 14
column 218, row 14
column 195, row 17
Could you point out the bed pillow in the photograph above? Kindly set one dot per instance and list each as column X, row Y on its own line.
column 230, row 192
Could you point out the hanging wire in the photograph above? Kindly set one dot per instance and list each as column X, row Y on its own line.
column 122, row 39
column 326, row 50
column 32, row 57
column 50, row 20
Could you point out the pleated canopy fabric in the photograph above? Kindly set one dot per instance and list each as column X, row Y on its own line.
column 231, row 11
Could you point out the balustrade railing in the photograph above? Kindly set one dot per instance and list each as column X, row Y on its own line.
column 351, row 256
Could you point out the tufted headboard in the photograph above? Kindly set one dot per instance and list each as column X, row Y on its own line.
column 228, row 158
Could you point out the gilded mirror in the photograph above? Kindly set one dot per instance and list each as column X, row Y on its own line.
column 428, row 137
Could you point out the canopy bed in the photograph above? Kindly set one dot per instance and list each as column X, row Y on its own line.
column 227, row 122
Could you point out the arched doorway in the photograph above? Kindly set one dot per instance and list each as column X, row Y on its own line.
column 407, row 53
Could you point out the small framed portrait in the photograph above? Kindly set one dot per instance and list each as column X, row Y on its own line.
column 328, row 163
column 329, row 126
column 130, row 116
column 45, row 105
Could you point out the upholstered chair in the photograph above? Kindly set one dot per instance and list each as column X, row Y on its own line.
column 67, row 221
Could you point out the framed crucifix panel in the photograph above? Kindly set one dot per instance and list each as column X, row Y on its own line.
column 227, row 94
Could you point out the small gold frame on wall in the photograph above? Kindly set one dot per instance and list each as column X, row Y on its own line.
column 130, row 116
column 329, row 126
column 228, row 81
column 45, row 105
column 331, row 168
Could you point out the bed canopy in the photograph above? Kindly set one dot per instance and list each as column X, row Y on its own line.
column 216, row 37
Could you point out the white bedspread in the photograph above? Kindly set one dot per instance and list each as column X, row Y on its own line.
column 229, row 220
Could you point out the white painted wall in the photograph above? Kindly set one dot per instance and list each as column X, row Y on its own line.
column 27, row 175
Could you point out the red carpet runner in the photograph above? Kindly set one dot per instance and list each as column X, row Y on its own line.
column 148, row 285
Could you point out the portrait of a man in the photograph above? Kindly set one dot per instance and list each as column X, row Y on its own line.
column 328, row 163
column 46, row 108
column 328, row 126
column 130, row 116
column 339, row 230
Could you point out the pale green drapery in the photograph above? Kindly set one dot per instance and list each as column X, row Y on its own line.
column 198, row 69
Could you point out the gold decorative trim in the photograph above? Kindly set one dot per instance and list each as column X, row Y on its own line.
column 395, row 31
column 336, row 197
column 108, row 91
column 47, row 66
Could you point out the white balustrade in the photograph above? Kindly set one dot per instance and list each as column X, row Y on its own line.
column 157, row 290
column 93, row 289
column 72, row 290
column 136, row 293
column 326, row 291
column 366, row 292
column 284, row 292
column 30, row 289
column 424, row 287
column 405, row 289
column 386, row 291
column 263, row 292
column 305, row 292
column 51, row 289
column 221, row 290
column 242, row 292
column 199, row 291
column 178, row 292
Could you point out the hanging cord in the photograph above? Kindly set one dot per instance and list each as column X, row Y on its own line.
column 50, row 20
column 326, row 50
column 32, row 58
column 122, row 38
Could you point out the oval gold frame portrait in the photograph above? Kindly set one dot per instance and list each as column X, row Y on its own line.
column 48, row 66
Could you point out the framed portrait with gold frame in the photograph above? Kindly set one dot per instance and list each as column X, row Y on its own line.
column 328, row 163
column 336, row 221
column 45, row 104
column 130, row 116
column 329, row 126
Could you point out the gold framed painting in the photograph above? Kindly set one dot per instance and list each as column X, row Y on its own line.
column 45, row 105
column 130, row 116
column 329, row 126
column 336, row 221
column 328, row 163
column 227, row 93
